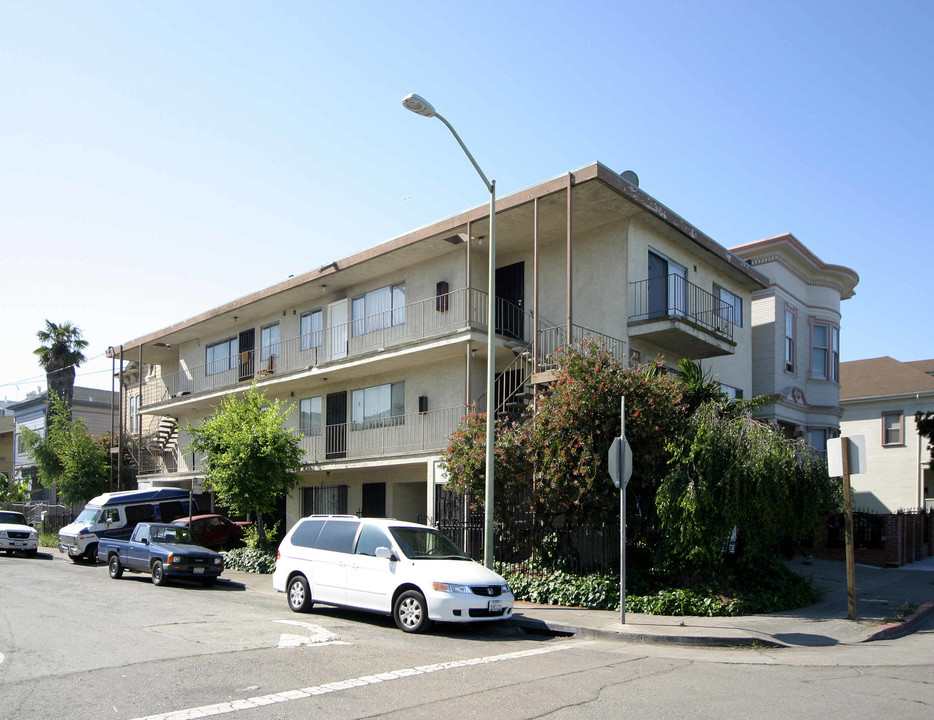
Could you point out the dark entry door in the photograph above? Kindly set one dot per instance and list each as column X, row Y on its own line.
column 336, row 426
column 246, row 343
column 374, row 500
column 658, row 286
column 510, row 297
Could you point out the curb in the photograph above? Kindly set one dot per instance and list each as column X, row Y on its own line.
column 541, row 627
column 897, row 629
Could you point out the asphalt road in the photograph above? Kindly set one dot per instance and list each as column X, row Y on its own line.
column 76, row 644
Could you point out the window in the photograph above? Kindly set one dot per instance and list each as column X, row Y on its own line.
column 134, row 413
column 731, row 306
column 817, row 439
column 732, row 393
column 324, row 500
column 893, row 429
column 378, row 406
column 338, row 536
column 220, row 357
column 269, row 342
column 790, row 324
column 379, row 309
column 311, row 329
column 371, row 537
column 825, row 352
column 309, row 418
column 306, row 534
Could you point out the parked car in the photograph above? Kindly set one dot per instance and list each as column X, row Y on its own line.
column 409, row 571
column 164, row 551
column 114, row 515
column 17, row 534
column 214, row 531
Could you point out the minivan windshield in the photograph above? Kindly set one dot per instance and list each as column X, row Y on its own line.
column 426, row 544
column 88, row 516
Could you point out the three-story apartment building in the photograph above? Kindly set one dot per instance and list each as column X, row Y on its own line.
column 384, row 352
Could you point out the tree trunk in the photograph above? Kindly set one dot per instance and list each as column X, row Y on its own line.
column 260, row 529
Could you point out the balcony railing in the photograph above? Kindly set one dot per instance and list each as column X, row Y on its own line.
column 412, row 433
column 552, row 338
column 434, row 317
column 672, row 296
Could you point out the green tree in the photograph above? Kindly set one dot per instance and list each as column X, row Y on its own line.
column 925, row 422
column 250, row 459
column 554, row 462
column 12, row 490
column 68, row 456
column 732, row 472
column 60, row 352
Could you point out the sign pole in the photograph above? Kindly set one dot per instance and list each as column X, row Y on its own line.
column 848, row 530
column 622, row 522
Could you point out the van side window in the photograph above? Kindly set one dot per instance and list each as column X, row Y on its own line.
column 169, row 511
column 139, row 513
column 110, row 515
column 306, row 534
column 371, row 537
column 338, row 536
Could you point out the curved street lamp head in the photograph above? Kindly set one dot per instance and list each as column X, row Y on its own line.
column 418, row 104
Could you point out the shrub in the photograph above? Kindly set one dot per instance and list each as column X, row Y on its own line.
column 747, row 588
column 250, row 560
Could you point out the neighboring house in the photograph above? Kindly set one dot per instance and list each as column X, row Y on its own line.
column 92, row 405
column 7, row 424
column 796, row 335
column 880, row 397
column 383, row 353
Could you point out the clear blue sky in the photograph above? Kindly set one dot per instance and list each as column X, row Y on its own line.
column 159, row 159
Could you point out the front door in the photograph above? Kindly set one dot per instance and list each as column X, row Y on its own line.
column 336, row 426
column 374, row 500
column 510, row 298
column 337, row 330
column 246, row 344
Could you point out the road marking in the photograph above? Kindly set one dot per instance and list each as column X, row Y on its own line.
column 319, row 636
column 288, row 695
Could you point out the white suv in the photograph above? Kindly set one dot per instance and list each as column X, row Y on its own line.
column 410, row 571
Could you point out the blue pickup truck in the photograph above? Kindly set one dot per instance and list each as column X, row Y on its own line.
column 162, row 550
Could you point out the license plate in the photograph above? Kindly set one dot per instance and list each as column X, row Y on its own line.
column 199, row 571
column 495, row 605
column 18, row 543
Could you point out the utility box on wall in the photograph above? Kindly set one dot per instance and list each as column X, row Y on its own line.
column 423, row 403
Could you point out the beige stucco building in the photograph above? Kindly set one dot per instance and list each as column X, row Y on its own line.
column 880, row 397
column 383, row 352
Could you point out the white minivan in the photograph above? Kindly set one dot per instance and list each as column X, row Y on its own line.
column 403, row 569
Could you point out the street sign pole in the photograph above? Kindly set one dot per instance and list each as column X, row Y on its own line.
column 848, row 530
column 622, row 517
column 619, row 465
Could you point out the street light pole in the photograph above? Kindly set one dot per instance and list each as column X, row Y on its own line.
column 420, row 106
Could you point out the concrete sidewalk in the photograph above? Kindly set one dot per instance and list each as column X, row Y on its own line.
column 882, row 594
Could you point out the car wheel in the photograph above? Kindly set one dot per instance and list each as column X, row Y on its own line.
column 411, row 612
column 158, row 573
column 91, row 554
column 116, row 569
column 299, row 594
column 9, row 552
column 208, row 582
column 31, row 553
column 76, row 558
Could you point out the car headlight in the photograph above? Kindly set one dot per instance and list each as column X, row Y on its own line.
column 2, row 533
column 174, row 559
column 218, row 561
column 451, row 588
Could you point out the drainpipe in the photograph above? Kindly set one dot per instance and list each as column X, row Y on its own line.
column 535, row 322
column 570, row 245
column 920, row 469
column 120, row 426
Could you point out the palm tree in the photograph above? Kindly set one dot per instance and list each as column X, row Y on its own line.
column 59, row 355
